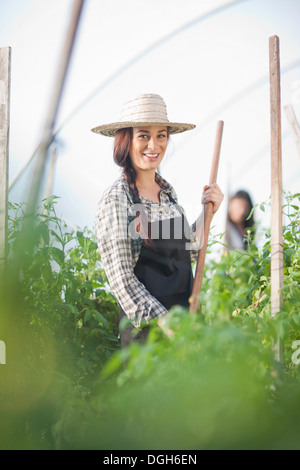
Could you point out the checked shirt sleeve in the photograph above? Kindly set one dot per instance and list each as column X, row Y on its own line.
column 115, row 246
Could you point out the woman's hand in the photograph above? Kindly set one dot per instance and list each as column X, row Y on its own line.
column 162, row 324
column 212, row 193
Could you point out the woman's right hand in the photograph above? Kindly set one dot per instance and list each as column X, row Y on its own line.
column 213, row 194
column 162, row 324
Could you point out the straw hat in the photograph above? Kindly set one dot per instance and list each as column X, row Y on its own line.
column 145, row 110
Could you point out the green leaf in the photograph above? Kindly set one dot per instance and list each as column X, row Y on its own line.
column 100, row 319
column 58, row 255
column 56, row 236
column 262, row 207
column 251, row 213
column 72, row 309
column 88, row 315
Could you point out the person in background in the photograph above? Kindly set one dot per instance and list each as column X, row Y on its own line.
column 238, row 223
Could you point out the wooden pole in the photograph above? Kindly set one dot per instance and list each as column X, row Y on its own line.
column 276, row 187
column 5, row 79
column 207, row 221
column 54, row 104
column 291, row 117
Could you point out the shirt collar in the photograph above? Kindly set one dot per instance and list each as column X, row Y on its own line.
column 165, row 186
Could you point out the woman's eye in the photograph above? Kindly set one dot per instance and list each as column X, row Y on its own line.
column 145, row 136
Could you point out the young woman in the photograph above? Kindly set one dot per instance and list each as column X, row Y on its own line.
column 240, row 206
column 145, row 242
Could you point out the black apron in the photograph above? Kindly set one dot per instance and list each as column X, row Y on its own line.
column 165, row 270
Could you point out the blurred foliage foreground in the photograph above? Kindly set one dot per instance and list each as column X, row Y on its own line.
column 214, row 385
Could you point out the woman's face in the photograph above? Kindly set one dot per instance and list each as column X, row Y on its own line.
column 148, row 147
column 238, row 210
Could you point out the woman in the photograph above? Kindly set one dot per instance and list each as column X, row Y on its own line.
column 145, row 242
column 238, row 223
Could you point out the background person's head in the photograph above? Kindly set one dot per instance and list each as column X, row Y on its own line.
column 240, row 206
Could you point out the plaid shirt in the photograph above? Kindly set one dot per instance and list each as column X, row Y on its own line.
column 120, row 245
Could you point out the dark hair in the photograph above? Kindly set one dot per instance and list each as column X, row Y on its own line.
column 241, row 194
column 122, row 158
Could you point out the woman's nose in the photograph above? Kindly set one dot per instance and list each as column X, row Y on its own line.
column 152, row 143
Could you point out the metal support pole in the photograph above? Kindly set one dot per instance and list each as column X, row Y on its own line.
column 54, row 104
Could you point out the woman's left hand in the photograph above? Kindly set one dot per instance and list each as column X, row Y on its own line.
column 212, row 193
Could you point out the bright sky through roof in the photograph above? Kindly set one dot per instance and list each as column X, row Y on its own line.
column 214, row 69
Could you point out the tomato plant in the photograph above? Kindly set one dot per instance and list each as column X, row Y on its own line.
column 215, row 384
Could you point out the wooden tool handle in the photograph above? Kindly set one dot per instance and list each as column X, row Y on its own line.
column 207, row 221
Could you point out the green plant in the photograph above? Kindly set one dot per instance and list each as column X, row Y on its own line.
column 215, row 384
column 63, row 287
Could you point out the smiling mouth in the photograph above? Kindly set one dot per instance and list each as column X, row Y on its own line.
column 151, row 156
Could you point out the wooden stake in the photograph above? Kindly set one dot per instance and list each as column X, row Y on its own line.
column 5, row 78
column 276, row 186
column 54, row 104
column 207, row 221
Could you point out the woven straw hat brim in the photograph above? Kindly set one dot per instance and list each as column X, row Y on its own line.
column 111, row 129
